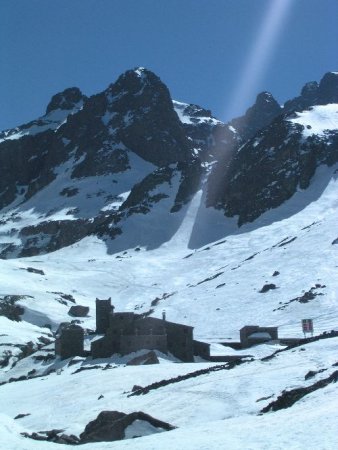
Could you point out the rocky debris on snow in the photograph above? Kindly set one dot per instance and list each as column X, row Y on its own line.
column 56, row 436
column 207, row 279
column 288, row 241
column 164, row 296
column 305, row 298
column 178, row 379
column 20, row 416
column 313, row 373
column 335, row 242
column 33, row 270
column 78, row 311
column 9, row 309
column 299, row 342
column 65, row 297
column 275, row 274
column 289, row 398
column 251, row 257
column 81, row 369
column 147, row 358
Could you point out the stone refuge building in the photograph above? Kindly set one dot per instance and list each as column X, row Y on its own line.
column 127, row 332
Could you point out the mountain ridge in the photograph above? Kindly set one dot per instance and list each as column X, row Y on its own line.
column 135, row 141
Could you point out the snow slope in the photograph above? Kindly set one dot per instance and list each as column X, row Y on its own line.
column 212, row 411
column 318, row 119
column 215, row 289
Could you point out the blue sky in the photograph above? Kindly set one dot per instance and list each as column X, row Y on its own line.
column 200, row 48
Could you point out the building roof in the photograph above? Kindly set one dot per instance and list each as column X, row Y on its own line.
column 140, row 317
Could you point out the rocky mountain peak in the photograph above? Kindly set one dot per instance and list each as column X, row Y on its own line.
column 265, row 104
column 143, row 114
column 264, row 98
column 66, row 100
column 258, row 116
column 315, row 94
column 310, row 90
column 328, row 89
column 138, row 81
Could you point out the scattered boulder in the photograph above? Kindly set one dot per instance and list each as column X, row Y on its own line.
column 334, row 242
column 275, row 274
column 147, row 358
column 115, row 425
column 20, row 416
column 78, row 311
column 37, row 271
column 267, row 287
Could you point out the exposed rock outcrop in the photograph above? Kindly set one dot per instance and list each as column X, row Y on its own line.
column 112, row 426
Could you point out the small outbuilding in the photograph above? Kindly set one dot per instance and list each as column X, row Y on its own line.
column 253, row 334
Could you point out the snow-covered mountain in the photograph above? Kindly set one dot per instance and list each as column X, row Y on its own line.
column 159, row 205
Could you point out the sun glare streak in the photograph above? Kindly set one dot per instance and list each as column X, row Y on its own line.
column 260, row 55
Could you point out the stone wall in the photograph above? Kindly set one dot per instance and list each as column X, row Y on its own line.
column 201, row 349
column 70, row 342
column 133, row 343
column 180, row 341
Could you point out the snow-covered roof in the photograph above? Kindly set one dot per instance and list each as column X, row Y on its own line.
column 260, row 335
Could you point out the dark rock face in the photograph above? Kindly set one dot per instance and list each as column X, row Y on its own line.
column 268, row 169
column 315, row 94
column 328, row 89
column 27, row 165
column 261, row 114
column 210, row 137
column 78, row 311
column 111, row 425
column 307, row 98
column 257, row 161
column 9, row 309
column 289, row 398
column 66, row 99
column 145, row 118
